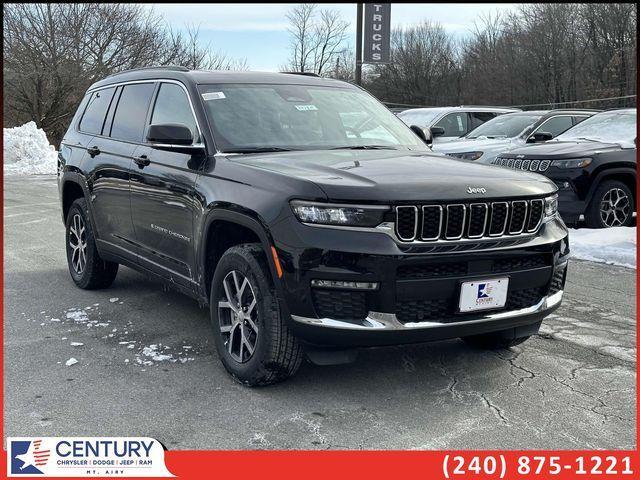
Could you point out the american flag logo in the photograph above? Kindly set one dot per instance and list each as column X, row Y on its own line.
column 36, row 456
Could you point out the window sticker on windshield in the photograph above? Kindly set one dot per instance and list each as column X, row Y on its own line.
column 460, row 127
column 306, row 108
column 213, row 95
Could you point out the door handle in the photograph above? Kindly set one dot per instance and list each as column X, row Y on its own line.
column 142, row 161
column 93, row 151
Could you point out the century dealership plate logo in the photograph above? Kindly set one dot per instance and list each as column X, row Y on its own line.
column 86, row 457
column 476, row 190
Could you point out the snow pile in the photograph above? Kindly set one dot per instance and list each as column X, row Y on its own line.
column 615, row 246
column 27, row 151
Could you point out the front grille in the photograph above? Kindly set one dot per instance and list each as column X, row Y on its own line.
column 527, row 297
column 406, row 223
column 339, row 304
column 443, row 310
column 436, row 270
column 513, row 264
column 423, row 310
column 468, row 220
column 520, row 164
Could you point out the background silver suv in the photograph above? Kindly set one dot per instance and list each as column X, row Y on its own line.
column 450, row 123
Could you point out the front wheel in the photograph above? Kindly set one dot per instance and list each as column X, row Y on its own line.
column 87, row 269
column 611, row 206
column 253, row 342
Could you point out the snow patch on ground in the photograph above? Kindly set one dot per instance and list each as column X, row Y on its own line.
column 614, row 246
column 27, row 151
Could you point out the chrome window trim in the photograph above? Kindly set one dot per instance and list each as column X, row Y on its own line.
column 464, row 219
column 415, row 223
column 524, row 221
column 506, row 220
column 422, row 237
column 150, row 80
column 484, row 224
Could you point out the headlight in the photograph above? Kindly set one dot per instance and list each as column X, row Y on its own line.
column 348, row 215
column 572, row 163
column 466, row 155
column 551, row 205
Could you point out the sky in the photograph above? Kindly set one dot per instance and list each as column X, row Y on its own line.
column 258, row 32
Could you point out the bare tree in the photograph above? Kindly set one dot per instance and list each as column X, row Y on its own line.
column 316, row 37
column 53, row 52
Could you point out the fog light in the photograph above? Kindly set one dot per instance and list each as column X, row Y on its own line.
column 341, row 284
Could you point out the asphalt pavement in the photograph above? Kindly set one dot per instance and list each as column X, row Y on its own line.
column 147, row 366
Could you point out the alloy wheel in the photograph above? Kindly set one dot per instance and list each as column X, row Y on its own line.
column 238, row 316
column 615, row 207
column 78, row 244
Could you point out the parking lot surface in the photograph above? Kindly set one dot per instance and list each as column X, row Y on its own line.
column 146, row 366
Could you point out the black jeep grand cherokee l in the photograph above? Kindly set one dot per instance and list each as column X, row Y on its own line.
column 308, row 217
column 594, row 165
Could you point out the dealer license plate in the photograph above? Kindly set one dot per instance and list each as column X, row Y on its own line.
column 483, row 294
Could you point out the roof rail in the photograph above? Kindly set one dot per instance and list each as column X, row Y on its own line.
column 173, row 68
column 308, row 74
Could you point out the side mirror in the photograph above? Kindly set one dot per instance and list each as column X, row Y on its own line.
column 539, row 137
column 170, row 134
column 437, row 131
column 423, row 133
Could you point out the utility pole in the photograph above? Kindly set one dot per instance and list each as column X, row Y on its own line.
column 359, row 44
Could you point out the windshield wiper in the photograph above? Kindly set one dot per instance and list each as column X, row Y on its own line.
column 258, row 150
column 364, row 147
column 589, row 139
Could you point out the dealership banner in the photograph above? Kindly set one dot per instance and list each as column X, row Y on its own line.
column 85, row 457
column 377, row 33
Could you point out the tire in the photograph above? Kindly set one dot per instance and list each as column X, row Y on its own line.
column 255, row 346
column 615, row 198
column 87, row 269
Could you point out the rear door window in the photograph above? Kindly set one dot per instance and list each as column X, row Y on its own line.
column 131, row 113
column 454, row 124
column 172, row 106
column 94, row 114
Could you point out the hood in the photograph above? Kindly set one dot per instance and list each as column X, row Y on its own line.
column 471, row 145
column 557, row 149
column 391, row 176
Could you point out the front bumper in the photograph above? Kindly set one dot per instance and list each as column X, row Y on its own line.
column 418, row 285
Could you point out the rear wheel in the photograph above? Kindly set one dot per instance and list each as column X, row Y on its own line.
column 87, row 269
column 611, row 206
column 253, row 342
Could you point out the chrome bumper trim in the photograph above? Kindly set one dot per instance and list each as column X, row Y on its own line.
column 389, row 321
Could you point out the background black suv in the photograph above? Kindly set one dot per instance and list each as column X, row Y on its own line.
column 307, row 216
column 593, row 164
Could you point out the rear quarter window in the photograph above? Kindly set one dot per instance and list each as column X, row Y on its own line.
column 93, row 117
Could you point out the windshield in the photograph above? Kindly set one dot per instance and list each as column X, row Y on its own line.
column 604, row 127
column 504, row 126
column 419, row 118
column 261, row 117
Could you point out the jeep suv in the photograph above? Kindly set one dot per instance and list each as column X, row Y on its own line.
column 306, row 215
column 594, row 165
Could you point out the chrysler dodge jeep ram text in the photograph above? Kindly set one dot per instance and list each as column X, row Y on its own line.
column 306, row 215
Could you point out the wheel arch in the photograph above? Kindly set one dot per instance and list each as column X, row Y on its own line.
column 624, row 175
column 73, row 187
column 239, row 227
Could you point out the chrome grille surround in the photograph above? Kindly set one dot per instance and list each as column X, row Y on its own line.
column 520, row 217
column 400, row 222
